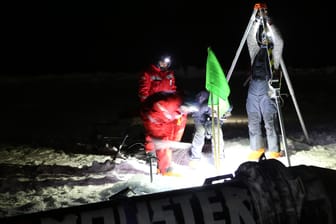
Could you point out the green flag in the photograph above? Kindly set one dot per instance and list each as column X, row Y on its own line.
column 216, row 83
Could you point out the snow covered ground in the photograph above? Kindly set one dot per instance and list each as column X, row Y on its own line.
column 43, row 171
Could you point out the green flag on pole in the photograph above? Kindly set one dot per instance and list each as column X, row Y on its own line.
column 216, row 83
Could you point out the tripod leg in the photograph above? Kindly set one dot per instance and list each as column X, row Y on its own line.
column 282, row 126
column 248, row 28
column 290, row 88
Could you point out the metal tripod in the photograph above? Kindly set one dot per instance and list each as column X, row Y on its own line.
column 257, row 8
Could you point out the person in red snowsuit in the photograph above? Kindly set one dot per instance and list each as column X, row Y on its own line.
column 161, row 111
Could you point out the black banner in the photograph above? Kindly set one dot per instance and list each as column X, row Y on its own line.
column 255, row 195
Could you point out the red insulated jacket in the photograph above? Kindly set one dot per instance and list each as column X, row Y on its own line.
column 155, row 80
column 162, row 115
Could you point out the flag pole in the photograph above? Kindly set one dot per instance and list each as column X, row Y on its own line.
column 214, row 139
column 219, row 89
column 218, row 140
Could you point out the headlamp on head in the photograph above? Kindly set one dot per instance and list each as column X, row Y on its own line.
column 164, row 62
column 167, row 60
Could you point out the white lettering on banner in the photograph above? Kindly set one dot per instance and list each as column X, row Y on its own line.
column 142, row 213
column 162, row 211
column 210, row 205
column 213, row 206
column 68, row 219
column 234, row 199
column 184, row 202
column 122, row 216
column 107, row 215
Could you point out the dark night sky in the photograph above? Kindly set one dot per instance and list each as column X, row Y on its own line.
column 126, row 36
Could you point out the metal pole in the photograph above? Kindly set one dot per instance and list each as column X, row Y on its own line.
column 291, row 91
column 150, row 158
column 217, row 137
column 282, row 126
column 242, row 42
column 214, row 142
column 151, row 169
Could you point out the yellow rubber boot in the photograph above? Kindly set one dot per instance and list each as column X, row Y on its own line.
column 273, row 155
column 255, row 155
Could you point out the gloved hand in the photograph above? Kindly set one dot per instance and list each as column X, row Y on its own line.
column 150, row 155
column 185, row 108
column 227, row 113
column 271, row 92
